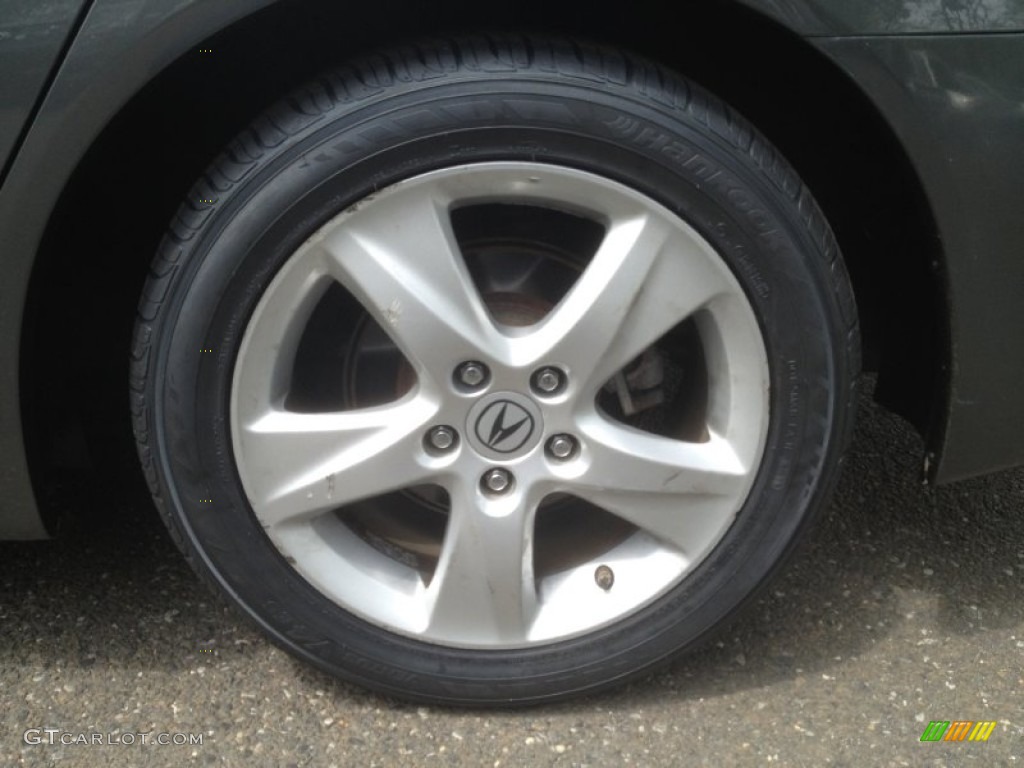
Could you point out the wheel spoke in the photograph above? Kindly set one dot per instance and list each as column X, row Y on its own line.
column 301, row 465
column 673, row 489
column 483, row 588
column 399, row 257
column 641, row 282
column 685, row 524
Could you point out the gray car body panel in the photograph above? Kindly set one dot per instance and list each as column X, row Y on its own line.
column 957, row 105
column 119, row 47
column 122, row 44
column 857, row 18
column 32, row 35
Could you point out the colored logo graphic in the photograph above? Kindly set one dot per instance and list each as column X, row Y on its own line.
column 958, row 730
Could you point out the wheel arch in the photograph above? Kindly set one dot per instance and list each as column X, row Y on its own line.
column 173, row 123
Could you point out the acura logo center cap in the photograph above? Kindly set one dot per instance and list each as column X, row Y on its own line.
column 504, row 425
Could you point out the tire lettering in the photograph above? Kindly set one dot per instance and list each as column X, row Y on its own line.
column 745, row 203
column 791, row 431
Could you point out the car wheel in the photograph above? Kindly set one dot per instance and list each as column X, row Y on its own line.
column 494, row 370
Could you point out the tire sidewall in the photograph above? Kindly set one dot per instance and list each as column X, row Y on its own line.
column 716, row 186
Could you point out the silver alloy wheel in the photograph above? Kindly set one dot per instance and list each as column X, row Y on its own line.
column 396, row 253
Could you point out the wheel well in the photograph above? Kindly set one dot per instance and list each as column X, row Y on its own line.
column 106, row 226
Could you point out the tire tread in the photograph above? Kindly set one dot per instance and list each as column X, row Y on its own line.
column 437, row 61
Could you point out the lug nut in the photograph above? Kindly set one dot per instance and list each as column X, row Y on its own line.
column 472, row 374
column 441, row 438
column 605, row 577
column 561, row 446
column 497, row 480
column 548, row 380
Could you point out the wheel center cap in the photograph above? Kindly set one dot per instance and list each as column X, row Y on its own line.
column 504, row 425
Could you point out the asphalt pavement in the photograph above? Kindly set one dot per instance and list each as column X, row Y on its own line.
column 905, row 607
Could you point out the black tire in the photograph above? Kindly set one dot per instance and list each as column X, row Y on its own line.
column 394, row 116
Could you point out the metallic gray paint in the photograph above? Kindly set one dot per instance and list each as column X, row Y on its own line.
column 956, row 102
column 31, row 37
column 120, row 46
column 957, row 105
column 842, row 18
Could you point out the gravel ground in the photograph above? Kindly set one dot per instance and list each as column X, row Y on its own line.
column 905, row 607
